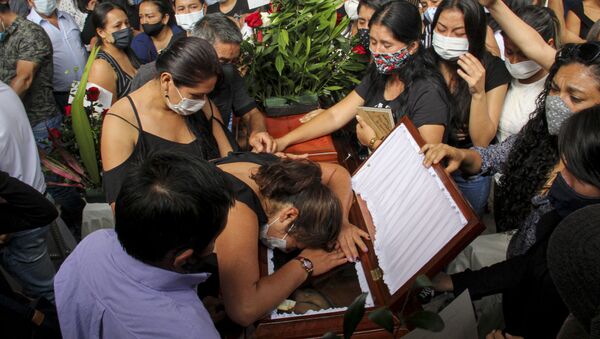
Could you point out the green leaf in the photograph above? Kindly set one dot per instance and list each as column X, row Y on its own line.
column 281, row 39
column 279, row 64
column 285, row 36
column 81, row 124
column 422, row 281
column 333, row 88
column 384, row 318
column 330, row 335
column 354, row 315
column 427, row 320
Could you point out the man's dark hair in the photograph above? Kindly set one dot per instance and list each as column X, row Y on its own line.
column 4, row 6
column 171, row 201
column 217, row 26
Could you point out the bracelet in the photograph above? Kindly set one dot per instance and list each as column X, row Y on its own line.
column 372, row 142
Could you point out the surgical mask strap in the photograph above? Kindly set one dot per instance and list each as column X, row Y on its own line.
column 288, row 231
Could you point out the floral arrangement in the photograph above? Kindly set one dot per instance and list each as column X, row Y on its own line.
column 301, row 49
column 75, row 151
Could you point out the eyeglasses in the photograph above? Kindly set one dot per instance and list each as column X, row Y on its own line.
column 587, row 52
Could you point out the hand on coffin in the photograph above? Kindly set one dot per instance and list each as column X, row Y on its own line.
column 322, row 260
column 443, row 283
column 436, row 153
column 262, row 142
column 365, row 134
column 497, row 334
column 349, row 238
column 308, row 116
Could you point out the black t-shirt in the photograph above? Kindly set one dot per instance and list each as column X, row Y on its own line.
column 496, row 73
column 426, row 103
column 231, row 95
column 241, row 7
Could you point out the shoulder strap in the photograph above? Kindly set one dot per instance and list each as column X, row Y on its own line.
column 127, row 121
column 141, row 130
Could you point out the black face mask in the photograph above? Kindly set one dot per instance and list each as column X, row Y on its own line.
column 565, row 200
column 123, row 38
column 153, row 29
column 363, row 38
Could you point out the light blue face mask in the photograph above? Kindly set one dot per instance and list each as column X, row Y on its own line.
column 272, row 242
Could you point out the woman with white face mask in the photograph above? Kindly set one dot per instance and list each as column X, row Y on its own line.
column 170, row 112
column 288, row 205
column 528, row 161
column 188, row 13
column 528, row 77
column 477, row 80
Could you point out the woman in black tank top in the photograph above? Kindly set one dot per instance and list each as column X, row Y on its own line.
column 288, row 204
column 115, row 64
column 171, row 112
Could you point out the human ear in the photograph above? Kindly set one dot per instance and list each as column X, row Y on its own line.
column 182, row 258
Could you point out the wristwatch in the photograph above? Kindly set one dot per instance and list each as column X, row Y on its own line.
column 307, row 265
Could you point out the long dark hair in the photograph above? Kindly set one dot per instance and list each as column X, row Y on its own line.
column 298, row 182
column 190, row 61
column 475, row 29
column 535, row 152
column 579, row 145
column 543, row 20
column 404, row 21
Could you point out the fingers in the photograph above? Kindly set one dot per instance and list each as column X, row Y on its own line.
column 360, row 243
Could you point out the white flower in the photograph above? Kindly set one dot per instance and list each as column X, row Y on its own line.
column 266, row 19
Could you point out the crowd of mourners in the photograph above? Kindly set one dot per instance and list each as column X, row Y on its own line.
column 505, row 95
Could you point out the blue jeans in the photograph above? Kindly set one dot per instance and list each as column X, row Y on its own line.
column 475, row 189
column 26, row 258
column 40, row 131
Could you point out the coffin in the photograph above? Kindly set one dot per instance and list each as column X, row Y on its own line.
column 422, row 238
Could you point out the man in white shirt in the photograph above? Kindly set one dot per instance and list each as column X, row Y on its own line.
column 69, row 52
column 25, row 255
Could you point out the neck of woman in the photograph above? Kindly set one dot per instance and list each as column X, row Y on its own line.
column 162, row 37
column 537, row 76
column 113, row 50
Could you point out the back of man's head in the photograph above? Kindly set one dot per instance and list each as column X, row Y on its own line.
column 4, row 7
column 216, row 26
column 170, row 202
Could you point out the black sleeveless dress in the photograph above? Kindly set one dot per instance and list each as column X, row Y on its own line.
column 243, row 193
column 146, row 144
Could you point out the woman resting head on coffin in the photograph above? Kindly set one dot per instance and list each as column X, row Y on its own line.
column 529, row 160
column 288, row 204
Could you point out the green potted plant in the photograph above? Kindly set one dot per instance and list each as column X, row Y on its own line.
column 300, row 56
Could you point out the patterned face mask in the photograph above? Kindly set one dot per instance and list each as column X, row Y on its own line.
column 386, row 63
column 556, row 113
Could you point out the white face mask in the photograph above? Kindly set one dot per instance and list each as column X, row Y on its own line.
column 186, row 106
column 351, row 8
column 212, row 2
column 449, row 48
column 430, row 13
column 522, row 70
column 272, row 242
column 45, row 7
column 187, row 21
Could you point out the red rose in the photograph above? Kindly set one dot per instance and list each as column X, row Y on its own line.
column 93, row 93
column 254, row 20
column 54, row 133
column 339, row 18
column 359, row 49
column 273, row 8
column 259, row 36
column 68, row 110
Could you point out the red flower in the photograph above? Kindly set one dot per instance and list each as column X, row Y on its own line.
column 254, row 20
column 359, row 49
column 273, row 9
column 68, row 110
column 259, row 36
column 339, row 18
column 104, row 112
column 54, row 133
column 93, row 93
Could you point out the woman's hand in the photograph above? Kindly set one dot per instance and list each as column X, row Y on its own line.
column 497, row 334
column 436, row 153
column 324, row 261
column 443, row 283
column 262, row 142
column 308, row 116
column 364, row 132
column 349, row 238
column 472, row 71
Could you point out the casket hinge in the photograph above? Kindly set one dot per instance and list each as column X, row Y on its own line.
column 376, row 274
